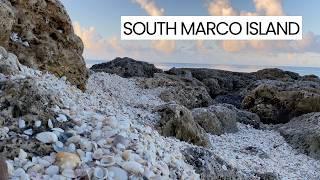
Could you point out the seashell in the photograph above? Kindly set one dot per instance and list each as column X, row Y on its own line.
column 44, row 162
column 58, row 129
column 69, row 173
column 100, row 173
column 37, row 168
column 67, row 160
column 28, row 132
column 37, row 124
column 117, row 173
column 74, row 139
column 22, row 154
column 107, row 161
column 98, row 154
column 126, row 155
column 21, row 124
column 28, row 165
column 52, row 170
column 47, row 137
column 133, row 167
column 62, row 118
column 4, row 170
column 58, row 146
column 19, row 172
column 50, row 124
column 86, row 145
column 88, row 157
column 72, row 147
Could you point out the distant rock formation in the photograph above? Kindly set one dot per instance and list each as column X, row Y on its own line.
column 40, row 33
column 127, row 67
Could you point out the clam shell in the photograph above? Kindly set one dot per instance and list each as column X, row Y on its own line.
column 133, row 167
column 107, row 161
column 47, row 137
column 100, row 173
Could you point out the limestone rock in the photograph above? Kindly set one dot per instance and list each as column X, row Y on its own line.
column 6, row 22
column 188, row 92
column 42, row 37
column 303, row 133
column 177, row 121
column 209, row 166
column 208, row 121
column 127, row 67
column 277, row 101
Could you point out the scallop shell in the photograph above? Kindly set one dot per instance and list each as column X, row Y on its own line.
column 107, row 161
column 4, row 170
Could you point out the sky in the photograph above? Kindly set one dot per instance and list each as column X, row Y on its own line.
column 97, row 23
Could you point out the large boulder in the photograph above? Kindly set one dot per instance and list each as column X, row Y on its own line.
column 127, row 67
column 177, row 121
column 303, row 133
column 276, row 74
column 6, row 21
column 278, row 101
column 185, row 91
column 42, row 37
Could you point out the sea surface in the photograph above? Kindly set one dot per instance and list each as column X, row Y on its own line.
column 235, row 68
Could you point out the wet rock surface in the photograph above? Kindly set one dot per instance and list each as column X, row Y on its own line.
column 40, row 33
column 127, row 67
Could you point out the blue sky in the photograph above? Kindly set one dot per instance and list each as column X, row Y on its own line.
column 99, row 21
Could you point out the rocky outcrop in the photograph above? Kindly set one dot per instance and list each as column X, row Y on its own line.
column 209, row 166
column 6, row 21
column 223, row 86
column 277, row 101
column 188, row 92
column 276, row 74
column 42, row 37
column 177, row 121
column 127, row 67
column 303, row 133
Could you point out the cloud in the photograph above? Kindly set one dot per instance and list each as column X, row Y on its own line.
column 309, row 43
column 151, row 9
column 94, row 44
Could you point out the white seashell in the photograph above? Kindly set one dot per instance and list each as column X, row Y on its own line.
column 117, row 173
column 37, row 168
column 21, row 123
column 118, row 139
column 58, row 146
column 98, row 154
column 10, row 167
column 19, row 172
column 99, row 173
column 28, row 132
column 62, row 118
column 58, row 130
column 107, row 161
column 72, row 147
column 37, row 124
column 52, row 170
column 44, row 162
column 50, row 124
column 88, row 157
column 133, row 167
column 22, row 154
column 28, row 165
column 69, row 173
column 47, row 137
column 96, row 134
column 74, row 139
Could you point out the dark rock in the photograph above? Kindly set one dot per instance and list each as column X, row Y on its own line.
column 208, row 121
column 177, row 121
column 276, row 74
column 188, row 92
column 127, row 67
column 277, row 101
column 226, row 116
column 41, row 34
column 303, row 133
column 209, row 166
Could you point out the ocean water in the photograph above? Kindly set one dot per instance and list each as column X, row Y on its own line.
column 235, row 68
